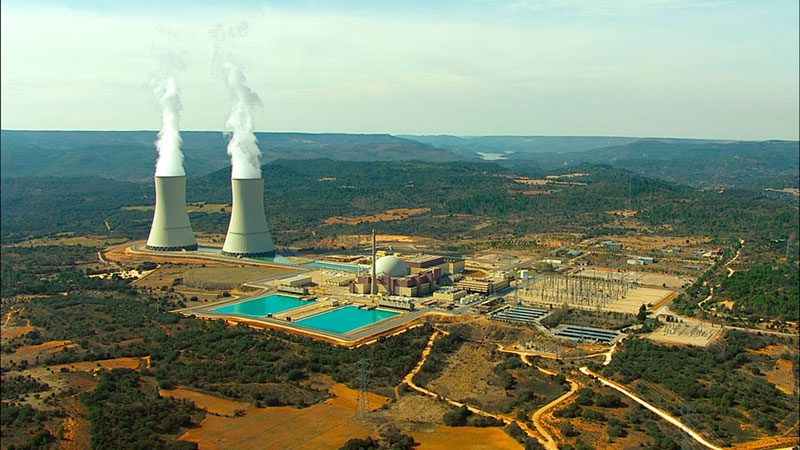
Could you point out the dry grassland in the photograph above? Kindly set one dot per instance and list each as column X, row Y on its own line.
column 467, row 376
column 465, row 438
column 415, row 409
column 329, row 425
column 348, row 398
column 322, row 426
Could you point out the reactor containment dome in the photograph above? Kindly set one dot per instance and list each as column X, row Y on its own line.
column 391, row 266
column 171, row 230
column 248, row 234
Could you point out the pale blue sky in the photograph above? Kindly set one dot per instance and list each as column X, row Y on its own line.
column 677, row 68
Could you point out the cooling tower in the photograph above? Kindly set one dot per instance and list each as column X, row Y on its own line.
column 248, row 233
column 171, row 230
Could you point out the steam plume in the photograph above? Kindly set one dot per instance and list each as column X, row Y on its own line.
column 243, row 148
column 170, row 158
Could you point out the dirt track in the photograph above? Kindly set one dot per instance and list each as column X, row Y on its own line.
column 408, row 379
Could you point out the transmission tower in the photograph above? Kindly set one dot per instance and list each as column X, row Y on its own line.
column 362, row 407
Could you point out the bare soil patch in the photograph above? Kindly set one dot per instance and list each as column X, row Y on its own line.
column 76, row 427
column 782, row 376
column 108, row 364
column 193, row 279
column 79, row 240
column 693, row 333
column 214, row 405
column 12, row 332
column 49, row 347
column 391, row 214
column 190, row 207
column 226, row 277
column 643, row 242
column 533, row 192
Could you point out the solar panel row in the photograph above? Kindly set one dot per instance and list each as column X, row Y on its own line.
column 595, row 331
column 521, row 314
column 587, row 334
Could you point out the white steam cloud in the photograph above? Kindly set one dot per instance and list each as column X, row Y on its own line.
column 243, row 148
column 170, row 157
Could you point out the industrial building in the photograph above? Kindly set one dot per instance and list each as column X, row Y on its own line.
column 450, row 294
column 248, row 233
column 171, row 230
column 611, row 245
column 448, row 265
column 297, row 280
column 484, row 285
column 394, row 277
column 404, row 303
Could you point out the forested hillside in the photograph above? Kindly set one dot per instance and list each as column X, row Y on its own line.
column 131, row 155
column 462, row 200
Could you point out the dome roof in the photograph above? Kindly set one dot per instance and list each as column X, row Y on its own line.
column 391, row 266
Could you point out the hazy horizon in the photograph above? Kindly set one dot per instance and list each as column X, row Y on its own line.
column 725, row 69
column 465, row 136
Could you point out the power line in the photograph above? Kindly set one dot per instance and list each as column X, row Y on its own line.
column 362, row 406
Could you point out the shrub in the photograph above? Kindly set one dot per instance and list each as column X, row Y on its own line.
column 457, row 418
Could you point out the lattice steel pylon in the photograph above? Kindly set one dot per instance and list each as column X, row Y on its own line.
column 362, row 406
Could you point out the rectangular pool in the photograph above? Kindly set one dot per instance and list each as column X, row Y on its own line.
column 260, row 307
column 325, row 265
column 346, row 319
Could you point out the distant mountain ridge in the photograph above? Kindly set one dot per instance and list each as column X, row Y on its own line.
column 522, row 146
column 131, row 155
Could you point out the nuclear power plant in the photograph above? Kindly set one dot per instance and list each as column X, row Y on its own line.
column 248, row 233
column 171, row 230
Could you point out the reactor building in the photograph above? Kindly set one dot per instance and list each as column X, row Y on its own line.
column 248, row 234
column 171, row 230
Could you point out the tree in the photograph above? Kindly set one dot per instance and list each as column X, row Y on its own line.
column 642, row 315
column 457, row 418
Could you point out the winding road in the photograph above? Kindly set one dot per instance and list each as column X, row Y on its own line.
column 677, row 423
column 408, row 379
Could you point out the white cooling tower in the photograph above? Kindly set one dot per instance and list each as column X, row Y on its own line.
column 171, row 230
column 248, row 233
